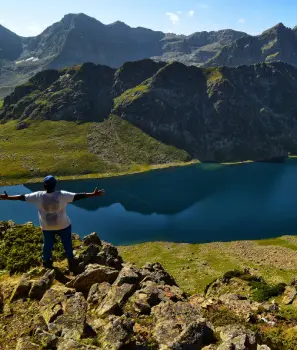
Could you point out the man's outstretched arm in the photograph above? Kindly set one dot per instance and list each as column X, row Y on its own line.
column 19, row 197
column 96, row 193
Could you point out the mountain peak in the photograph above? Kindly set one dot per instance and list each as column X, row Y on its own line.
column 119, row 24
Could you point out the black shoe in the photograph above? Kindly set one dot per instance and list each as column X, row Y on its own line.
column 72, row 265
column 48, row 264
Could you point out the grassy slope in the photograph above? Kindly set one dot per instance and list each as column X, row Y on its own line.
column 63, row 148
column 196, row 265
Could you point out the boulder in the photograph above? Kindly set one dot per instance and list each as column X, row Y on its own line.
column 89, row 255
column 98, row 292
column 40, row 286
column 289, row 295
column 22, row 289
column 38, row 324
column 116, row 333
column 22, row 125
column 129, row 274
column 69, row 344
column 263, row 347
column 46, row 340
column 53, row 303
column 180, row 326
column 93, row 274
column 210, row 347
column 72, row 322
column 156, row 273
column 115, row 300
column 109, row 256
column 26, row 344
column 92, row 238
column 237, row 337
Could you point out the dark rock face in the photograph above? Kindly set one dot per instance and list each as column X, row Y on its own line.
column 276, row 44
column 11, row 44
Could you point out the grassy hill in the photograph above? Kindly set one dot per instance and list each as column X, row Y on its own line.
column 67, row 148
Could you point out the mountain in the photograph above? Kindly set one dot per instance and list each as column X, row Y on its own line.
column 213, row 114
column 276, row 44
column 78, row 38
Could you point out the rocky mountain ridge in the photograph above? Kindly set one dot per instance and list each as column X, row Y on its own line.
column 214, row 114
column 109, row 304
column 78, row 38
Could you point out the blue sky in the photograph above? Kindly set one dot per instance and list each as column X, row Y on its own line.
column 30, row 17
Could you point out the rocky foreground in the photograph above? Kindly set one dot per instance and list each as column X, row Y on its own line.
column 111, row 304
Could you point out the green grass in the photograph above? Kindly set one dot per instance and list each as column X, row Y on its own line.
column 272, row 57
column 280, row 242
column 131, row 95
column 69, row 149
column 1, row 103
column 194, row 266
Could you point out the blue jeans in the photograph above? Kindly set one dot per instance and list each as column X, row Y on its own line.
column 49, row 240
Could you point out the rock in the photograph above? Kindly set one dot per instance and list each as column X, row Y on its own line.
column 69, row 344
column 72, row 322
column 92, row 238
column 22, row 289
column 98, row 292
column 38, row 324
column 109, row 256
column 156, row 273
column 25, row 344
column 115, row 299
column 42, row 285
column 75, row 236
column 129, row 274
column 93, row 274
column 89, row 255
column 116, row 333
column 22, row 125
column 263, row 347
column 210, row 347
column 289, row 295
column 180, row 326
column 46, row 340
column 53, row 302
column 238, row 337
column 1, row 301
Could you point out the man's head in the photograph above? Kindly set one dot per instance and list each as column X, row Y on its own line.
column 50, row 183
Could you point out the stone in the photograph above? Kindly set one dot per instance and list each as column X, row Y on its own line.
column 1, row 300
column 26, row 344
column 93, row 274
column 89, row 255
column 22, row 125
column 238, row 337
column 116, row 333
column 210, row 347
column 156, row 273
column 129, row 274
column 46, row 340
column 109, row 256
column 53, row 302
column 289, row 295
column 38, row 324
column 180, row 326
column 92, row 238
column 40, row 286
column 22, row 289
column 69, row 344
column 72, row 322
column 263, row 347
column 115, row 300
column 98, row 292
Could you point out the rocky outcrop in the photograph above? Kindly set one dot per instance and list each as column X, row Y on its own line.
column 136, row 308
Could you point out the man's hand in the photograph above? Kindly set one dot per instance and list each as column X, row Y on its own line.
column 98, row 193
column 4, row 196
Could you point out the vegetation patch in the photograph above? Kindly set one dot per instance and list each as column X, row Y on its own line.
column 131, row 95
column 1, row 103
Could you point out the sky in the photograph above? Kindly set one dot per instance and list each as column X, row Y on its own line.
column 31, row 17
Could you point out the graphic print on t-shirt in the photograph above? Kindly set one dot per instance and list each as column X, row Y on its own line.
column 51, row 207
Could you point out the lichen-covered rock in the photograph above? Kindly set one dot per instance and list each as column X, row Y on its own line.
column 180, row 326
column 116, row 333
column 89, row 255
column 263, row 347
column 289, row 295
column 40, row 286
column 69, row 344
column 72, row 322
column 98, row 292
column 93, row 274
column 46, row 340
column 156, row 273
column 92, row 238
column 26, row 344
column 115, row 300
column 129, row 274
column 110, row 256
column 237, row 337
column 22, row 289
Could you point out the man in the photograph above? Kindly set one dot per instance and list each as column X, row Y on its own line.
column 53, row 218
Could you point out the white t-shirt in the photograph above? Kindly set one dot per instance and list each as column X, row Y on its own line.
column 51, row 208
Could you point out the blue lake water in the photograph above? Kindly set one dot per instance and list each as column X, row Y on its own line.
column 198, row 203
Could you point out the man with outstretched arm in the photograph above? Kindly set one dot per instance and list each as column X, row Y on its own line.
column 53, row 218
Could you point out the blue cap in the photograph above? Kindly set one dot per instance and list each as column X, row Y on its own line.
column 50, row 181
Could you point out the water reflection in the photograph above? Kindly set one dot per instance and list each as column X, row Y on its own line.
column 199, row 203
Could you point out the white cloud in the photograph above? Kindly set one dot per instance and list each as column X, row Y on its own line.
column 34, row 29
column 191, row 13
column 241, row 20
column 174, row 18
